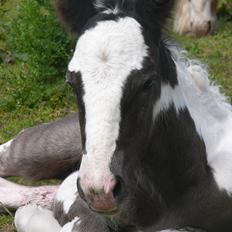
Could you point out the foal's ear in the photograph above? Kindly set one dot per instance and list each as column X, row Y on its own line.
column 154, row 13
column 75, row 13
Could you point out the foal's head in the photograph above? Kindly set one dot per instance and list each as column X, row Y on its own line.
column 117, row 71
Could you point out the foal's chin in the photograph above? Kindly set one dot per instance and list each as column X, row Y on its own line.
column 201, row 33
column 111, row 213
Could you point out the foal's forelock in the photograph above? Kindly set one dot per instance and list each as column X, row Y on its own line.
column 105, row 56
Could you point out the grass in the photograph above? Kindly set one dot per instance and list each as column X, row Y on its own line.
column 26, row 97
column 6, row 223
column 23, row 105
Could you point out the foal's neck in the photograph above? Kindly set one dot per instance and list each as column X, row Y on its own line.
column 177, row 151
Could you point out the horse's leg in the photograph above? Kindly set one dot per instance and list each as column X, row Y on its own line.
column 35, row 218
column 44, row 151
column 13, row 196
column 70, row 212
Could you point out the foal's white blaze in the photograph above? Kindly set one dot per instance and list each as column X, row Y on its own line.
column 105, row 56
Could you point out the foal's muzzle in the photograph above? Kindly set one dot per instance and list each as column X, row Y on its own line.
column 104, row 200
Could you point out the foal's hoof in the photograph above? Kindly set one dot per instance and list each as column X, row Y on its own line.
column 33, row 218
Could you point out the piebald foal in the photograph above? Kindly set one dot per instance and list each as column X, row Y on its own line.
column 155, row 135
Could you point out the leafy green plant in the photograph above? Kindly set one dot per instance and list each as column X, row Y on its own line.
column 225, row 9
column 36, row 38
column 34, row 53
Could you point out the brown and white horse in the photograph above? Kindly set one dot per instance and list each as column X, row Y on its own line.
column 195, row 17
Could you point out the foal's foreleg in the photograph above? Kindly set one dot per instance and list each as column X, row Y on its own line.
column 13, row 195
column 44, row 151
column 71, row 214
column 35, row 218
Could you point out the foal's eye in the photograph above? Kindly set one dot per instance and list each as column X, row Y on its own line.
column 147, row 84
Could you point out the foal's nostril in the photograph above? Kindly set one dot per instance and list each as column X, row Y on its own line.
column 80, row 190
column 209, row 26
column 117, row 188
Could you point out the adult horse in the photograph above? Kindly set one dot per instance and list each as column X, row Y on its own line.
column 155, row 135
column 195, row 17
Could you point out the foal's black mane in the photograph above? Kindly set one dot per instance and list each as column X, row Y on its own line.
column 168, row 70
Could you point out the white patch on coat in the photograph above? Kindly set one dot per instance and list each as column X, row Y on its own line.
column 4, row 147
column 69, row 227
column 105, row 56
column 211, row 113
column 169, row 95
column 67, row 192
column 33, row 218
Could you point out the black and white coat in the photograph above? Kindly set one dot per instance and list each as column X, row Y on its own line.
column 150, row 119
